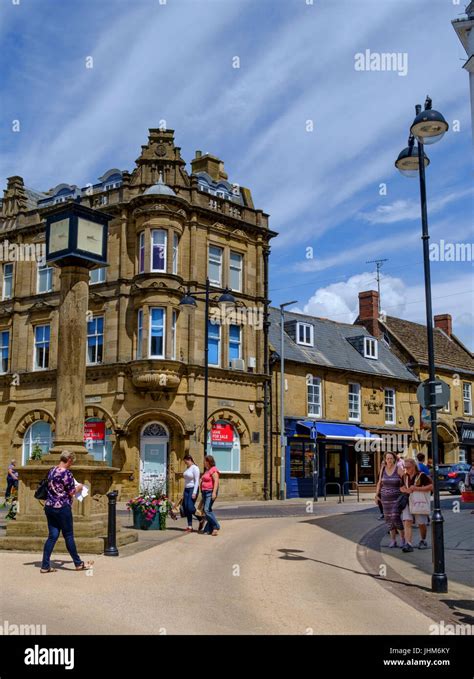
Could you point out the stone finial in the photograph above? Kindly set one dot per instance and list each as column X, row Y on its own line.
column 14, row 197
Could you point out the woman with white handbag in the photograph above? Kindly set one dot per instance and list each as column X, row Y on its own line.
column 418, row 486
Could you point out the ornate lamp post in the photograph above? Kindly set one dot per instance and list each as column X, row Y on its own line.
column 428, row 127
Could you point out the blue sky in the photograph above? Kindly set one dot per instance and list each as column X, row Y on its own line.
column 174, row 62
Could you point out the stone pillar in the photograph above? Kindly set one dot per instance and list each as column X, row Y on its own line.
column 71, row 368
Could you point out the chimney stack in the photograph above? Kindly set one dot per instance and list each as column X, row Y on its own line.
column 369, row 311
column 210, row 164
column 445, row 323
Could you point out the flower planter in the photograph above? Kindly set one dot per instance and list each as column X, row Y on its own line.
column 141, row 523
column 467, row 496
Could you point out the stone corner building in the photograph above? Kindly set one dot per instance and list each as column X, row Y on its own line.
column 145, row 357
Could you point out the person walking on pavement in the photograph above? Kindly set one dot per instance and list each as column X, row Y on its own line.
column 12, row 479
column 191, row 489
column 61, row 491
column 209, row 490
column 388, row 491
column 421, row 464
column 415, row 481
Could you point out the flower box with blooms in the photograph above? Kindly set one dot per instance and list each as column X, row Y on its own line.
column 150, row 509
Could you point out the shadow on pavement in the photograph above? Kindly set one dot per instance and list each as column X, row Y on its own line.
column 296, row 555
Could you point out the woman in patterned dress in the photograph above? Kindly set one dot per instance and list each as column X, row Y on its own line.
column 388, row 491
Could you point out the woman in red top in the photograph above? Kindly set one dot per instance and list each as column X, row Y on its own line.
column 209, row 490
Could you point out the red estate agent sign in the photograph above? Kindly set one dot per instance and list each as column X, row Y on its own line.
column 94, row 431
column 222, row 433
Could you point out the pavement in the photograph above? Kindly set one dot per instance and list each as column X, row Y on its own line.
column 311, row 570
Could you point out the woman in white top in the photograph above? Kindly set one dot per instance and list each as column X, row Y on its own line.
column 191, row 489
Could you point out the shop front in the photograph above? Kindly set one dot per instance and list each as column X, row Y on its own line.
column 334, row 456
column 466, row 441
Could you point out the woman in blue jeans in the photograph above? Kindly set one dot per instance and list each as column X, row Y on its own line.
column 209, row 490
column 61, row 491
column 191, row 489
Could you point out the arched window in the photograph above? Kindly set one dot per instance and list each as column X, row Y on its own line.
column 37, row 437
column 223, row 443
column 97, row 439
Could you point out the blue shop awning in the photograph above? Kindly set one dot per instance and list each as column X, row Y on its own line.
column 348, row 432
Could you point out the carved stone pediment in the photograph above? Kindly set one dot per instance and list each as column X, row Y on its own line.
column 6, row 310
column 159, row 208
column 40, row 306
column 97, row 298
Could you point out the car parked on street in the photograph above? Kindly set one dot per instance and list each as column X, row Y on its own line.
column 452, row 477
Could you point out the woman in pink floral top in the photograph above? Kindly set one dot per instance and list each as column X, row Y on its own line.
column 61, row 491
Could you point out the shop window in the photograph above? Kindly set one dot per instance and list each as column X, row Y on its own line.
column 224, row 445
column 97, row 439
column 37, row 437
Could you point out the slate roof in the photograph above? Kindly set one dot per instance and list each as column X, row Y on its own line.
column 333, row 350
column 449, row 352
column 32, row 198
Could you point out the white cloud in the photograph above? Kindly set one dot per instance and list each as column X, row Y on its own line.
column 339, row 301
column 401, row 210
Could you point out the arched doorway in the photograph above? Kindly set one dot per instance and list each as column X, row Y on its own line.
column 154, row 441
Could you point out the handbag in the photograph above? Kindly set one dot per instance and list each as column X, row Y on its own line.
column 402, row 502
column 41, row 493
column 420, row 503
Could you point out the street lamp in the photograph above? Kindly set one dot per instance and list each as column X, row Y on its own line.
column 188, row 303
column 282, row 399
column 428, row 127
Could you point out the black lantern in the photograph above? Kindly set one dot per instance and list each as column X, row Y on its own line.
column 77, row 235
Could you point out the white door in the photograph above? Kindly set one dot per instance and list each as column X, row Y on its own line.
column 153, row 458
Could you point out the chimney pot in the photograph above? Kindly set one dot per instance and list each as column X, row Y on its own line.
column 445, row 323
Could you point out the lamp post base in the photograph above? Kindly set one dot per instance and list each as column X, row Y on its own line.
column 439, row 583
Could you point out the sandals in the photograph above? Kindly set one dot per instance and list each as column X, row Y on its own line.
column 48, row 570
column 85, row 566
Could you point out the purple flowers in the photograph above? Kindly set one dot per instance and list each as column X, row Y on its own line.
column 150, row 505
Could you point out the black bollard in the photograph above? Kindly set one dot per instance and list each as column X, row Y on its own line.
column 111, row 548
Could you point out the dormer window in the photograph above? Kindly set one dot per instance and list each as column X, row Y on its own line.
column 304, row 334
column 370, row 347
